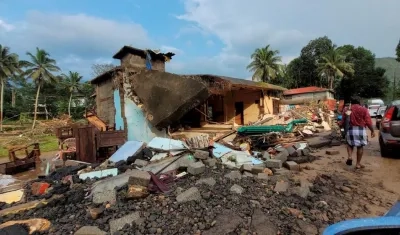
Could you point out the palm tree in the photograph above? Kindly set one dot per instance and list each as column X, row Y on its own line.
column 40, row 70
column 72, row 82
column 333, row 65
column 265, row 64
column 9, row 66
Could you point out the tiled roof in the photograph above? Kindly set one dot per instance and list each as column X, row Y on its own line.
column 304, row 90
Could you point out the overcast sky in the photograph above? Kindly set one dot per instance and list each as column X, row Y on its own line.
column 208, row 36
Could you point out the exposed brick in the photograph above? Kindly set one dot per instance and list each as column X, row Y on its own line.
column 293, row 166
column 196, row 168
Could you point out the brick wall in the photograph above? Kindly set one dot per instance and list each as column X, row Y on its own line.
column 105, row 101
column 139, row 62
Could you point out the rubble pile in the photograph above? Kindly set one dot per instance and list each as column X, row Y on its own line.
column 211, row 200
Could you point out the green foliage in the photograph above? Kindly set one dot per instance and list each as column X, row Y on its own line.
column 398, row 52
column 265, row 64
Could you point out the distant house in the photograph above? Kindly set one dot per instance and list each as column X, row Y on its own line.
column 305, row 95
column 140, row 97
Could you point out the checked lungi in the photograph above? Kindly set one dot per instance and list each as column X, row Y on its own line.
column 357, row 136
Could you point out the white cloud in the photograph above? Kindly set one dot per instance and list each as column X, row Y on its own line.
column 5, row 26
column 288, row 25
column 175, row 50
column 75, row 41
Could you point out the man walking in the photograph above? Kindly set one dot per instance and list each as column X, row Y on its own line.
column 356, row 136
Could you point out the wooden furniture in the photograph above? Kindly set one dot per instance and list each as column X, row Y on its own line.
column 20, row 164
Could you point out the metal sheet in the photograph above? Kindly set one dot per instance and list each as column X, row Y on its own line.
column 128, row 149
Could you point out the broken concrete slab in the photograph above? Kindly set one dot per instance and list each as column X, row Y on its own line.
column 90, row 230
column 211, row 162
column 257, row 169
column 209, row 181
column 292, row 151
column 282, row 155
column 237, row 189
column 293, row 166
column 196, row 168
column 113, row 182
column 246, row 167
column 281, row 171
column 192, row 194
column 225, row 223
column 118, row 224
column 234, row 175
column 177, row 94
column 273, row 163
column 247, row 174
column 281, row 186
column 139, row 177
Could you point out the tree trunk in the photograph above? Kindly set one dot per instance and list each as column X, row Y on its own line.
column 36, row 105
column 1, row 104
column 69, row 105
column 331, row 82
column 13, row 97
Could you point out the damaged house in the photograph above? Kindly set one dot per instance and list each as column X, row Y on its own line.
column 140, row 97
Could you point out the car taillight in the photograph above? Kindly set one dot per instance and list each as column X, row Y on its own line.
column 386, row 120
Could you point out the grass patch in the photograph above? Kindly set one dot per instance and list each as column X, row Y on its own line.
column 47, row 143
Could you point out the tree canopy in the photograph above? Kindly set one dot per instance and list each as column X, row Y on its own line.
column 265, row 64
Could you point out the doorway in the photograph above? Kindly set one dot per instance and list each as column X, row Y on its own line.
column 239, row 113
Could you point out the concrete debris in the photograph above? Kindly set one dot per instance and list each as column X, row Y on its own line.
column 246, row 167
column 234, row 175
column 262, row 176
column 208, row 181
column 196, row 168
column 90, row 230
column 199, row 154
column 192, row 194
column 273, row 163
column 140, row 163
column 136, row 192
column 138, row 177
column 96, row 212
column 293, row 166
column 237, row 189
column 211, row 162
column 118, row 224
column 105, row 196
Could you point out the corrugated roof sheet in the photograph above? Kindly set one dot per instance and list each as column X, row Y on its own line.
column 304, row 90
column 142, row 53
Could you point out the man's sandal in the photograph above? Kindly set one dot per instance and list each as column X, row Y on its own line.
column 349, row 162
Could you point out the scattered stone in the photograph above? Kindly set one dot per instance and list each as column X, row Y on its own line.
column 196, row 168
column 345, row 189
column 273, row 163
column 246, row 167
column 236, row 189
column 305, row 183
column 262, row 176
column 299, row 152
column 192, row 194
column 139, row 177
column 96, row 212
column 332, row 152
column 211, row 162
column 140, row 163
column 266, row 155
column 118, row 224
column 295, row 212
column 234, row 175
column 136, row 191
column 257, row 169
column 305, row 152
column 225, row 223
column 90, row 230
column 209, row 181
column 199, row 154
column 281, row 171
column 247, row 174
column 293, row 166
column 281, row 186
column 267, row 171
column 105, row 196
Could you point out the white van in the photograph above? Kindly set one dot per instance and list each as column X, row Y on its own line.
column 373, row 106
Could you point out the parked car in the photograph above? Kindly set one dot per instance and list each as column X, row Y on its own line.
column 373, row 109
column 389, row 131
column 379, row 115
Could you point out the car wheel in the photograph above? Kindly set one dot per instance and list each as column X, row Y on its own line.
column 384, row 151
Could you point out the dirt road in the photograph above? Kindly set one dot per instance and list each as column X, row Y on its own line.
column 378, row 183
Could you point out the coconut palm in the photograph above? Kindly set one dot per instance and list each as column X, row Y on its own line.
column 9, row 66
column 265, row 64
column 72, row 82
column 40, row 69
column 333, row 65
